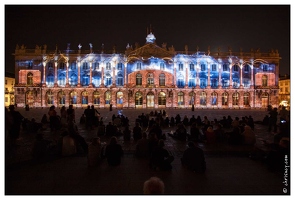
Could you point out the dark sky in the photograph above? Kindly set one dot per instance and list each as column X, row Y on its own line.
column 238, row 26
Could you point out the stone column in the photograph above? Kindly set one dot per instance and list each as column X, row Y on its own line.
column 219, row 75
column 55, row 74
column 230, row 76
column 79, row 65
column 208, row 79
column 90, row 74
column 44, row 74
column 175, row 79
column 241, row 74
column 102, row 75
column 198, row 75
column 252, row 75
column 186, row 74
column 125, row 73
column 67, row 75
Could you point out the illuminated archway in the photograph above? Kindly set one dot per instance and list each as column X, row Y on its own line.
column 150, row 100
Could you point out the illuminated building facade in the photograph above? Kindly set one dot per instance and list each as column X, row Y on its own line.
column 148, row 76
column 284, row 93
column 9, row 89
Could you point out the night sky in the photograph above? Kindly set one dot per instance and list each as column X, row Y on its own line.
column 238, row 26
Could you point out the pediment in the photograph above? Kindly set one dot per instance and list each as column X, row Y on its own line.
column 151, row 50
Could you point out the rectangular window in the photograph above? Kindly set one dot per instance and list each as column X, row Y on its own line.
column 213, row 67
column 192, row 67
column 180, row 67
column 225, row 67
column 265, row 68
column 236, row 68
column 203, row 67
column 139, row 66
column 246, row 69
column 108, row 67
column 6, row 99
column 119, row 67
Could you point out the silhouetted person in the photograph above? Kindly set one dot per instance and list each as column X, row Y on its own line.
column 193, row 158
column 154, row 185
column 114, row 152
column 161, row 158
column 16, row 120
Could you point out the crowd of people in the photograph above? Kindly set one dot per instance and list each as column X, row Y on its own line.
column 148, row 135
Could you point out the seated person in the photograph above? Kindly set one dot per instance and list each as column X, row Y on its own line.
column 94, row 152
column 137, row 132
column 41, row 147
column 161, row 158
column 180, row 132
column 68, row 145
column 193, row 158
column 142, row 146
column 114, row 152
column 248, row 136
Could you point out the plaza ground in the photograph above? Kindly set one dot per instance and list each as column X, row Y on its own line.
column 229, row 169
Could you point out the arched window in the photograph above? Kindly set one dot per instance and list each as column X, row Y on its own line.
column 85, row 97
column 180, row 81
column 73, row 80
column 180, row 98
column 150, row 79
column 224, row 99
column 138, row 79
column 108, row 97
column 50, row 97
column 264, row 80
column 29, row 78
column 73, row 66
column 138, row 98
column 162, row 99
column 120, row 98
column 192, row 98
column 50, row 80
column 61, row 80
column 203, row 99
column 235, row 99
column 61, row 98
column 96, row 98
column 73, row 97
column 162, row 80
column 120, row 80
column 214, row 98
column 246, row 99
column 108, row 80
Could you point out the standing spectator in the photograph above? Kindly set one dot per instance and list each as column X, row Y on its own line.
column 273, row 115
column 248, row 136
column 142, row 147
column 114, row 152
column 95, row 116
column 137, row 132
column 53, row 118
column 193, row 158
column 153, row 186
column 88, row 115
column 71, row 114
column 15, row 121
column 127, row 134
column 63, row 116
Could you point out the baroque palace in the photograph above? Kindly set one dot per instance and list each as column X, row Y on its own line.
column 148, row 76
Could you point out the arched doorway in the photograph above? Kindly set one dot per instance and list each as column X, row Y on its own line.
column 246, row 99
column 120, row 100
column 49, row 98
column 224, row 99
column 108, row 97
column 30, row 98
column 96, row 98
column 203, row 99
column 264, row 100
column 214, row 99
column 192, row 98
column 138, row 100
column 84, row 98
column 61, row 96
column 162, row 100
column 73, row 98
column 150, row 101
column 236, row 99
column 180, row 99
